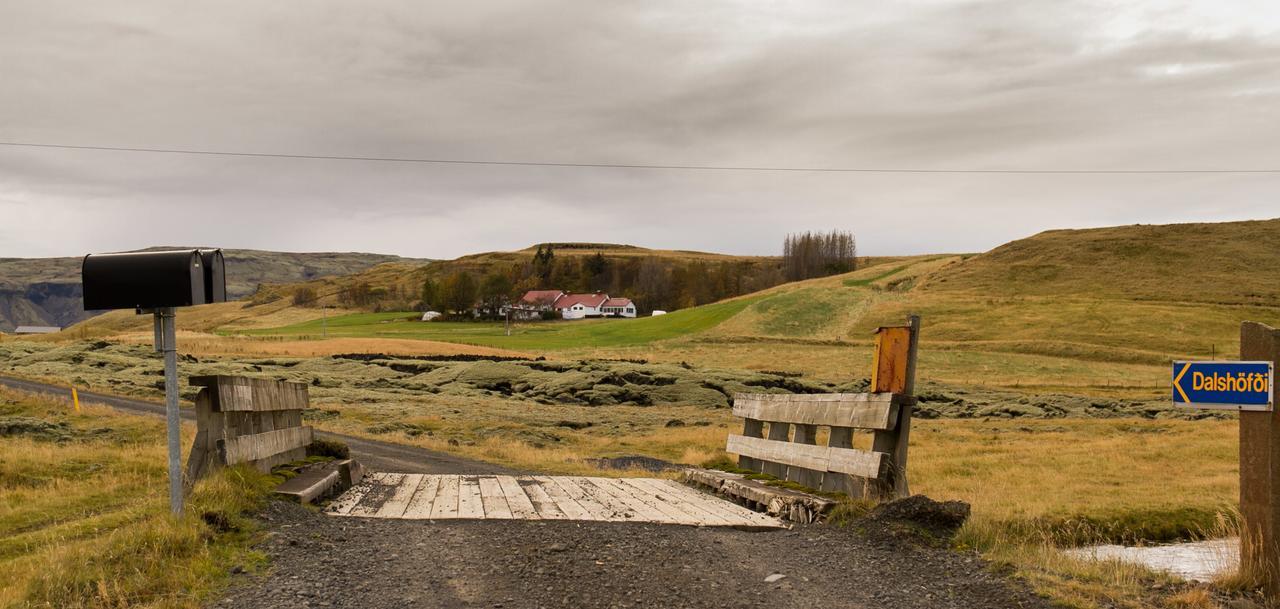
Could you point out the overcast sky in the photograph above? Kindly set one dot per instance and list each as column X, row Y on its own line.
column 1006, row 84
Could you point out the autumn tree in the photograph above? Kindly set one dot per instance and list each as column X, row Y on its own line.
column 303, row 296
column 358, row 294
column 458, row 293
column 495, row 293
column 430, row 295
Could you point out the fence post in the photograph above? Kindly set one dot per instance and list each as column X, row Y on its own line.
column 1260, row 467
column 893, row 370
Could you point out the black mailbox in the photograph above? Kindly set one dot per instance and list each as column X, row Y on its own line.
column 215, row 276
column 150, row 280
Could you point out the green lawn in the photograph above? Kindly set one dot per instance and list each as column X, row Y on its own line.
column 532, row 335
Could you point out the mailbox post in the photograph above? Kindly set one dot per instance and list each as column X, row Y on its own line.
column 157, row 283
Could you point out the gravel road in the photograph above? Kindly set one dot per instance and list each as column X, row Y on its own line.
column 321, row 561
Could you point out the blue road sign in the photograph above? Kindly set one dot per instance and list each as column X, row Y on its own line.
column 1233, row 385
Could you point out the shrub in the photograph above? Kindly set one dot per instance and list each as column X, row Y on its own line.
column 322, row 447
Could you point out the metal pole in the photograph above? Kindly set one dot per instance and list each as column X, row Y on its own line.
column 324, row 321
column 169, row 346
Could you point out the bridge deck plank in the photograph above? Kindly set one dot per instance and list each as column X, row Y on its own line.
column 422, row 497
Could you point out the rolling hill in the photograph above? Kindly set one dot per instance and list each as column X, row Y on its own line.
column 1228, row 263
column 46, row 291
column 1085, row 311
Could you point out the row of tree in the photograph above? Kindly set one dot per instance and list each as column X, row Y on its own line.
column 808, row 255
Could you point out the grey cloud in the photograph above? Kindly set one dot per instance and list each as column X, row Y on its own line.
column 999, row 84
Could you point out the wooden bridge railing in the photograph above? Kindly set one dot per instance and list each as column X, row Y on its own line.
column 780, row 432
column 247, row 420
column 790, row 450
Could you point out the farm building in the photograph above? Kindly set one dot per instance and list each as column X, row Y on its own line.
column 619, row 307
column 573, row 306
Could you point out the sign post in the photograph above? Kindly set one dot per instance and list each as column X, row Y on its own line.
column 1247, row 386
column 1260, row 466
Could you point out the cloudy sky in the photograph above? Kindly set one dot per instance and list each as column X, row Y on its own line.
column 924, row 84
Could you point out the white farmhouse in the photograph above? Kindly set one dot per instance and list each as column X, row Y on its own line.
column 578, row 306
column 572, row 306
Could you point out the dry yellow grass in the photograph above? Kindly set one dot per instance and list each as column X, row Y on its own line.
column 84, row 522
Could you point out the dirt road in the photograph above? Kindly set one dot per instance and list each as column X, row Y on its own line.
column 323, row 561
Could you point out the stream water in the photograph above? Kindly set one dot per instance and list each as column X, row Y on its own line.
column 1196, row 561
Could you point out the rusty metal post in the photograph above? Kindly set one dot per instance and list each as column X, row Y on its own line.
column 1260, row 468
column 894, row 371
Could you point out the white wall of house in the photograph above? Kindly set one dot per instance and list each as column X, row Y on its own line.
column 627, row 311
column 579, row 311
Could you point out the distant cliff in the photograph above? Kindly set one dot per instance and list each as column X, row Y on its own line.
column 46, row 291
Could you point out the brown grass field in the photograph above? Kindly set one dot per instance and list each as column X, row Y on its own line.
column 84, row 515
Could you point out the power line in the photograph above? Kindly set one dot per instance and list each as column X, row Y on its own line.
column 439, row 161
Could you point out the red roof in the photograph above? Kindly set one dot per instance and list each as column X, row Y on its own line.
column 617, row 302
column 540, row 297
column 586, row 300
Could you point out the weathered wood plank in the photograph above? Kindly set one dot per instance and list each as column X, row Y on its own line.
column 543, row 504
column 517, row 501
column 420, row 504
column 262, row 445
column 495, row 502
column 861, row 410
column 732, row 512
column 805, row 434
column 240, row 393
column 821, row 458
column 638, row 509
column 604, row 506
column 571, row 495
column 751, row 428
column 381, row 486
column 470, row 504
column 395, row 506
column 778, row 432
column 343, row 505
column 717, row 510
column 664, row 500
column 446, row 502
column 416, row 496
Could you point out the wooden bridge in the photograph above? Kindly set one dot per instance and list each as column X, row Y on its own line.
column 436, row 497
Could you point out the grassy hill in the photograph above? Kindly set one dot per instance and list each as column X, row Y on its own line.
column 1095, row 311
column 46, row 291
column 1098, row 311
column 1227, row 263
